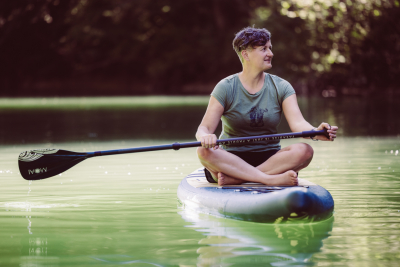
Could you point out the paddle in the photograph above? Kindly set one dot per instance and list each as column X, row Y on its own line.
column 44, row 163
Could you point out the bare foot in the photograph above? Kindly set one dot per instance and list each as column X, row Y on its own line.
column 224, row 179
column 287, row 178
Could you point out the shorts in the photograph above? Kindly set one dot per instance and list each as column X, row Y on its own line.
column 253, row 158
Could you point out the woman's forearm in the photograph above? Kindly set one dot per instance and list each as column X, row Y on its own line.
column 301, row 126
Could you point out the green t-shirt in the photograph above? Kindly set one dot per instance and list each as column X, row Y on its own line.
column 248, row 114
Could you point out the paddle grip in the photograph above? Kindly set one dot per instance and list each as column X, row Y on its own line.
column 312, row 133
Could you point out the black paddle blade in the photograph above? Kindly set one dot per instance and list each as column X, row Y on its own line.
column 44, row 163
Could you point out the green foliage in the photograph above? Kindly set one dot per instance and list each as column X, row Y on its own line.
column 355, row 44
column 87, row 47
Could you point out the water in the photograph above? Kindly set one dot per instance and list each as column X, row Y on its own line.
column 122, row 209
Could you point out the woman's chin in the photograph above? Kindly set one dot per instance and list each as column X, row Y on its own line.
column 267, row 67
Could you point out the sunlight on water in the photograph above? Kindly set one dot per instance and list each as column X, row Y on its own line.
column 118, row 210
column 123, row 209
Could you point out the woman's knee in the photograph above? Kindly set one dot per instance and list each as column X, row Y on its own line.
column 208, row 154
column 306, row 151
column 303, row 151
column 203, row 153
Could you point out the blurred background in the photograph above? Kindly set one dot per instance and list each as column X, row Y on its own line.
column 328, row 48
column 89, row 75
column 121, row 69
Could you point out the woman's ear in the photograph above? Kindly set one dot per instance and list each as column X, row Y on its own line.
column 245, row 55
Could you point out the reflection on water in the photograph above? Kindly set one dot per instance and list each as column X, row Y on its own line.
column 234, row 242
column 123, row 260
column 29, row 224
column 174, row 118
column 37, row 246
column 122, row 209
column 32, row 126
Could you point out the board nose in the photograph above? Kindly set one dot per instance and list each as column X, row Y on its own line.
column 299, row 201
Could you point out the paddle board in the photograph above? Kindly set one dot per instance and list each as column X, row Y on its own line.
column 256, row 202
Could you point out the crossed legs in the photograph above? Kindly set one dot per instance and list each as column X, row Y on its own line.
column 280, row 169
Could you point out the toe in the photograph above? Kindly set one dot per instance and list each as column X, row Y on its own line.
column 220, row 179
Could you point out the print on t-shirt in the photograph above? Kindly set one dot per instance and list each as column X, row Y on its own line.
column 256, row 116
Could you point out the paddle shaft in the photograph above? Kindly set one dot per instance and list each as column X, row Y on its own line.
column 231, row 141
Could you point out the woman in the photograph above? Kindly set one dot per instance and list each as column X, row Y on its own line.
column 250, row 103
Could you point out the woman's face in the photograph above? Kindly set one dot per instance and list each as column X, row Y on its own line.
column 260, row 56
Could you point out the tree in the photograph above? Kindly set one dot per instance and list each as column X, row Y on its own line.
column 352, row 43
column 89, row 47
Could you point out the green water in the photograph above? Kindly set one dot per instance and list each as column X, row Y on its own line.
column 123, row 209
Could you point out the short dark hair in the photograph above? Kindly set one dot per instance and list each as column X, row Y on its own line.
column 250, row 37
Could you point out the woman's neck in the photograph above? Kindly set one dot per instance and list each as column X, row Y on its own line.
column 253, row 81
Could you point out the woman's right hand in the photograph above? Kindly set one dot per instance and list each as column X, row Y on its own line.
column 209, row 141
column 209, row 123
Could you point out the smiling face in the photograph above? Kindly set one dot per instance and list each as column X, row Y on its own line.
column 259, row 57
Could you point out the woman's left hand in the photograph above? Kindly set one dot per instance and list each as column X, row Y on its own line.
column 331, row 131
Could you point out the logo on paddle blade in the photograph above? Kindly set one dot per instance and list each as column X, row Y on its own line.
column 37, row 171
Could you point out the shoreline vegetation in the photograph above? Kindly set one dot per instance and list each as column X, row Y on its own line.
column 165, row 101
column 389, row 100
column 101, row 102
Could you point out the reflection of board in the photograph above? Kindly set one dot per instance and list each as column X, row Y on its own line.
column 256, row 202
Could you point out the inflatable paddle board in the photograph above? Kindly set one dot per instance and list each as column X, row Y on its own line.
column 256, row 202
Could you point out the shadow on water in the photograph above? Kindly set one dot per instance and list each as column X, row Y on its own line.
column 171, row 118
column 355, row 116
column 33, row 126
column 236, row 243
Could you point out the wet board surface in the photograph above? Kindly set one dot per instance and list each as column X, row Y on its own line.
column 256, row 202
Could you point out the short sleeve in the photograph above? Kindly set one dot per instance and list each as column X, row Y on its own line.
column 220, row 93
column 285, row 90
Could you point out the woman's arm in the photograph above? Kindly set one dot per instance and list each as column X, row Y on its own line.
column 297, row 123
column 205, row 132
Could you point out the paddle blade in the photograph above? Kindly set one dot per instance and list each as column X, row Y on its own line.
column 44, row 163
